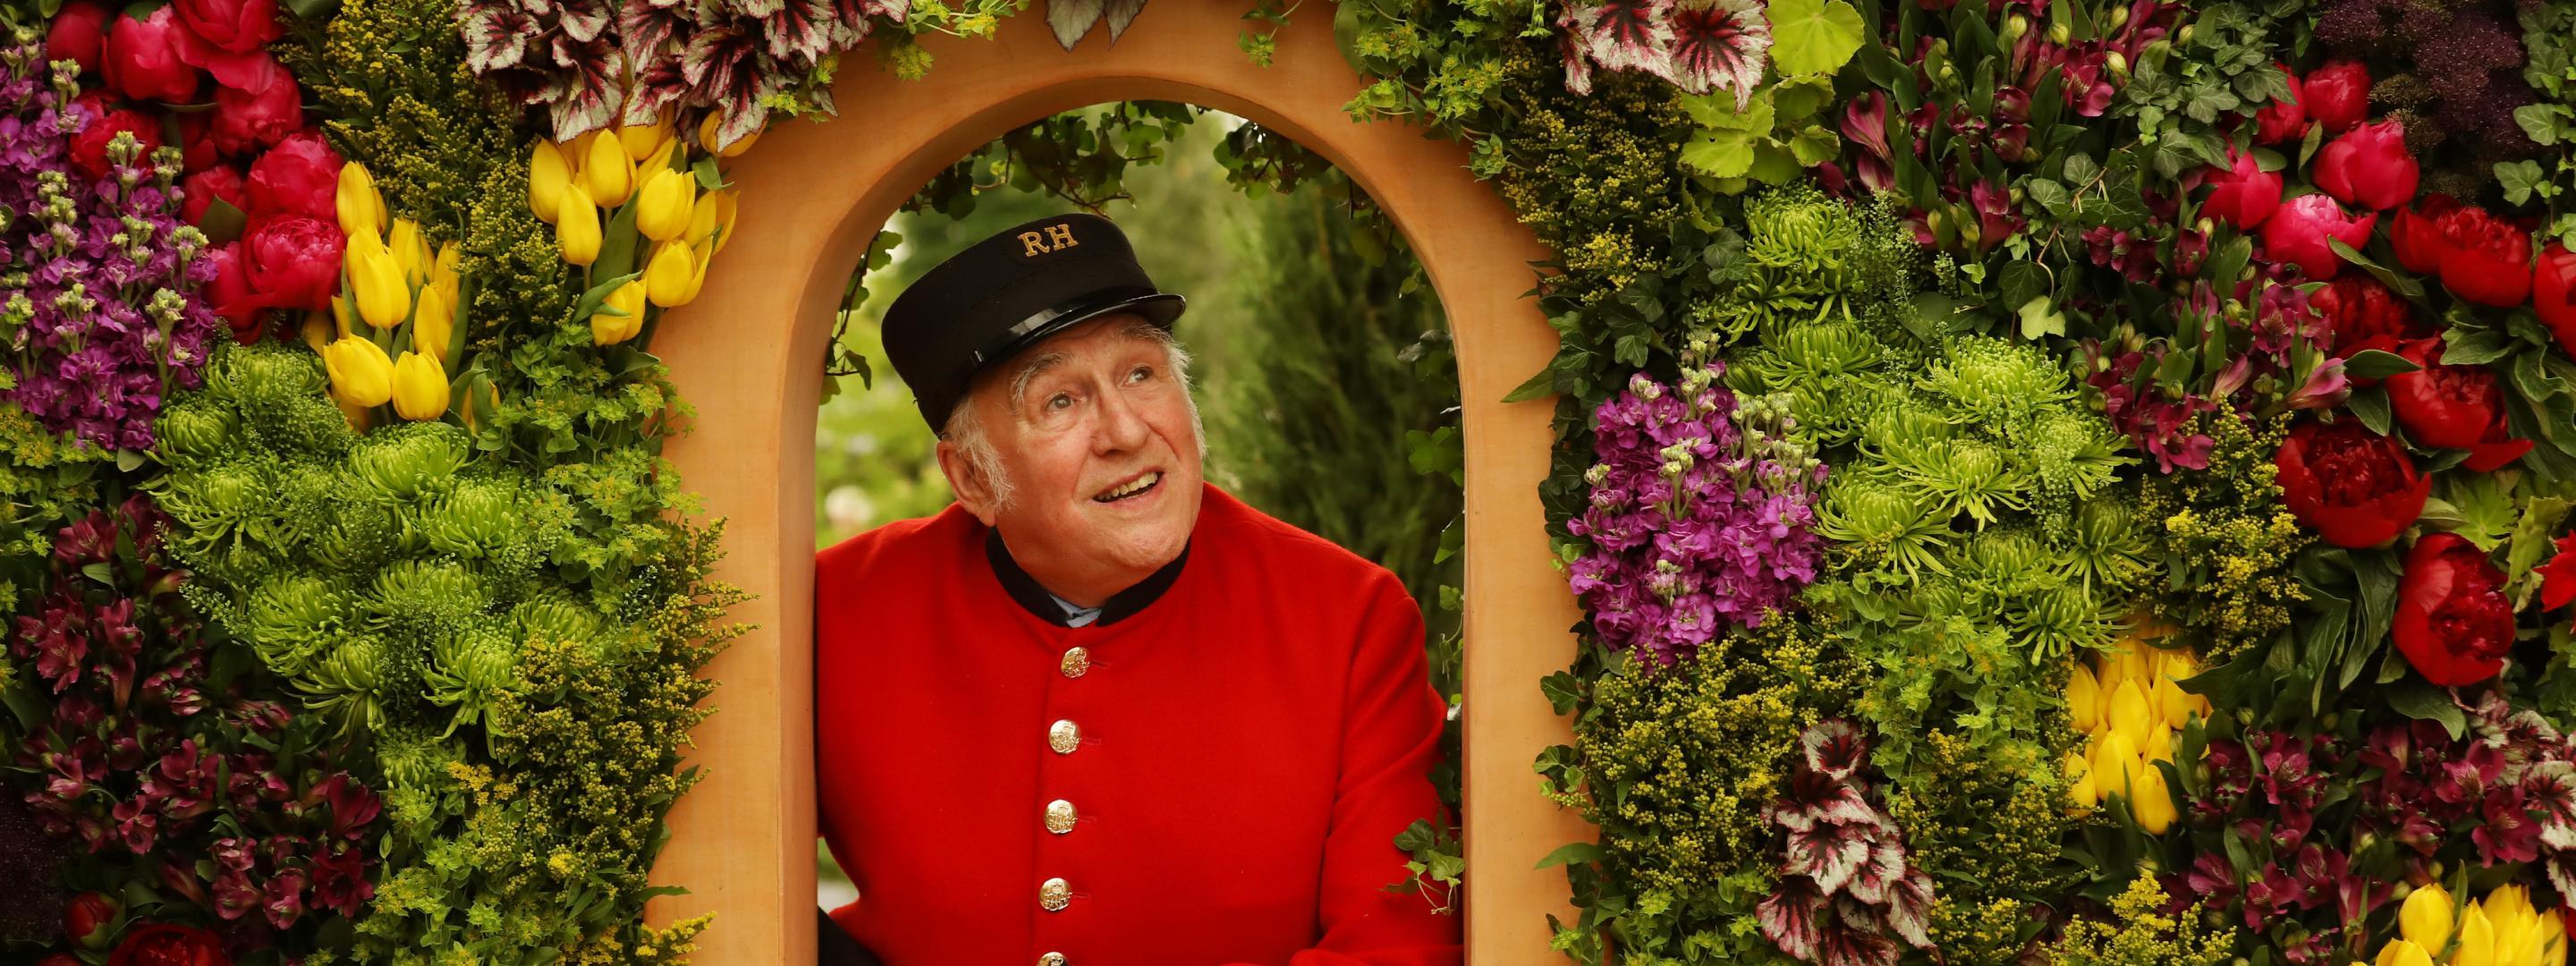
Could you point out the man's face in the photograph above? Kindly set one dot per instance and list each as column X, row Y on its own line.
column 1100, row 441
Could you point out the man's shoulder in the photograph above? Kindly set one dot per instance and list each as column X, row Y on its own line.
column 902, row 543
column 1285, row 548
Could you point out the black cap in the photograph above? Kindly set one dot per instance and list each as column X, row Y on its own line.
column 1003, row 294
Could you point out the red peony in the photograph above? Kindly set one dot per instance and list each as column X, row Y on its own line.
column 246, row 121
column 2453, row 407
column 87, row 920
column 2297, row 232
column 169, row 944
column 230, row 26
column 2243, row 194
column 2485, row 259
column 2364, row 314
column 78, row 33
column 142, row 59
column 89, row 147
column 231, row 295
column 2553, row 293
column 196, row 142
column 2417, row 236
column 2558, row 576
column 300, row 176
column 2356, row 488
column 199, row 191
column 2453, row 622
column 2369, row 166
column 2285, row 119
column 293, row 261
column 2336, row 95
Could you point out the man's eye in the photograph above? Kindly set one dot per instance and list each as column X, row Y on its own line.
column 1141, row 374
column 1059, row 401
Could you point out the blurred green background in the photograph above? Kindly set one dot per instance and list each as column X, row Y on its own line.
column 1323, row 365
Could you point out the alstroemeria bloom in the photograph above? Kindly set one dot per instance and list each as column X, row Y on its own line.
column 2454, row 624
column 2369, row 166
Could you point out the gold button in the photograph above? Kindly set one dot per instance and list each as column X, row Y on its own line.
column 1051, row 959
column 1055, row 894
column 1077, row 662
column 1064, row 737
column 1059, row 816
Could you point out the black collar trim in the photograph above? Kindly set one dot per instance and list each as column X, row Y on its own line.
column 1035, row 599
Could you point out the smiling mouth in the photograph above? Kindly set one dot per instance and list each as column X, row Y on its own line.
column 1131, row 489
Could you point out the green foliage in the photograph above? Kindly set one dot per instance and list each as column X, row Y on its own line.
column 46, row 482
column 2225, row 541
column 2140, row 933
column 1676, row 765
column 1989, row 834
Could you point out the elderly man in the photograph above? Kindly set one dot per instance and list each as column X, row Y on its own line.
column 1098, row 712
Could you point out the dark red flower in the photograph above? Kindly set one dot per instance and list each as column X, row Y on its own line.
column 89, row 147
column 246, row 121
column 293, row 261
column 169, row 944
column 2356, row 488
column 2336, row 95
column 196, row 142
column 2485, row 259
column 2417, row 236
column 2553, row 293
column 2453, row 622
column 2361, row 314
column 300, row 176
column 230, row 293
column 142, row 59
column 88, row 919
column 2448, row 407
column 2285, row 119
column 2242, row 194
column 230, row 26
column 78, row 33
column 2297, row 232
column 199, row 191
column 2369, row 166
column 2558, row 576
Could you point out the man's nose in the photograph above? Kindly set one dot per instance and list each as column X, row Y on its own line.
column 1122, row 426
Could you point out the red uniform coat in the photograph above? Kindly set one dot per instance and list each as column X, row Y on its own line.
column 1242, row 753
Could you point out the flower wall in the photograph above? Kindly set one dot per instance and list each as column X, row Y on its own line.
column 2066, row 481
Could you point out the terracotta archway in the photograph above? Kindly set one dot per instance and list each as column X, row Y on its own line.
column 748, row 355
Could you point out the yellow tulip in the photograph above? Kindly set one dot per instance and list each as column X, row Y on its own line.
column 664, row 207
column 2084, row 699
column 2160, row 743
column 411, row 251
column 2136, row 664
column 317, row 330
column 712, row 218
column 707, row 138
column 2126, row 712
column 576, row 152
column 2553, row 940
column 639, row 140
column 360, row 206
column 577, row 226
column 2172, row 703
column 2477, row 939
column 420, row 387
column 2425, row 918
column 443, row 273
column 2153, row 805
column 376, row 282
column 2399, row 952
column 2115, row 764
column 658, row 159
column 608, row 328
column 432, row 323
column 608, row 173
column 342, row 312
column 2080, row 772
column 669, row 277
column 548, row 173
column 360, row 371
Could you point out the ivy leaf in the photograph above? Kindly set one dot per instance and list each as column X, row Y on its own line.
column 1813, row 36
column 2037, row 320
column 2539, row 121
column 1572, row 852
column 2520, row 179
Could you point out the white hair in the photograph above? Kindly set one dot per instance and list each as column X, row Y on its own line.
column 967, row 432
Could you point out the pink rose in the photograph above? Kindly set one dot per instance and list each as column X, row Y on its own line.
column 2369, row 166
column 2285, row 119
column 199, row 191
column 2296, row 234
column 300, row 176
column 293, row 261
column 78, row 33
column 142, row 59
column 2337, row 95
column 2244, row 194
column 246, row 121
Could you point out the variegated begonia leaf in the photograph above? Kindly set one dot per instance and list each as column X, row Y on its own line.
column 1846, row 945
column 646, row 30
column 1070, row 19
column 724, row 71
column 1829, row 854
column 1578, row 65
column 657, row 85
column 496, row 35
column 1909, row 908
column 1834, row 747
column 1789, row 918
column 1120, row 13
column 1628, row 34
column 1719, row 44
column 1884, row 867
column 583, row 20
column 586, row 87
column 799, row 31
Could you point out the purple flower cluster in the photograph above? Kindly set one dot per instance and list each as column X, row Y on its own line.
column 96, row 278
column 1699, row 518
column 224, row 800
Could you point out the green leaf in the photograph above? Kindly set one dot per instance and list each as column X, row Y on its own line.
column 2080, row 168
column 315, row 10
column 2539, row 121
column 2037, row 320
column 1539, row 386
column 1717, row 110
column 2418, row 699
column 2049, row 194
column 1719, row 153
column 1800, row 98
column 2375, row 364
column 2519, row 179
column 1815, row 145
column 2466, row 347
column 2531, row 534
column 222, row 222
column 1573, row 852
column 1812, row 37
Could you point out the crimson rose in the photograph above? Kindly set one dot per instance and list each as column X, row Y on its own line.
column 300, row 176
column 2369, row 166
column 169, row 944
column 231, row 26
column 2485, row 259
column 2284, row 119
column 89, row 147
column 2453, row 407
column 86, row 920
column 2417, row 236
column 2336, row 95
column 2243, row 194
column 2558, row 576
column 78, row 33
column 2553, row 293
column 199, row 191
column 246, row 121
column 230, row 293
column 2453, row 622
column 2364, row 314
column 2356, row 488
column 142, row 59
column 2297, row 234
column 293, row 261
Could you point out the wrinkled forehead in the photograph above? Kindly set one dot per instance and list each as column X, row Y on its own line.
column 1055, row 350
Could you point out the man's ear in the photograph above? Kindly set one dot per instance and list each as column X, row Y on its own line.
column 973, row 491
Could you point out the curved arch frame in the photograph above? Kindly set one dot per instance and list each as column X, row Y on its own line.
column 748, row 354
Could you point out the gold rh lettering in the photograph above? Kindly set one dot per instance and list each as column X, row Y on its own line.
column 1060, row 237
